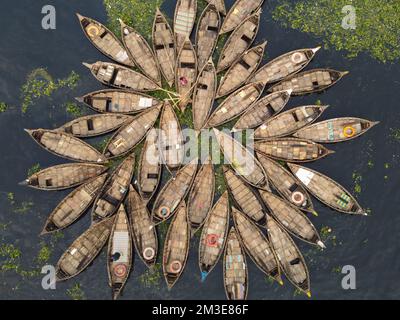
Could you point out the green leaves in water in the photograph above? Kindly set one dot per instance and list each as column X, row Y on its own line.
column 136, row 13
column 377, row 25
column 76, row 292
column 40, row 83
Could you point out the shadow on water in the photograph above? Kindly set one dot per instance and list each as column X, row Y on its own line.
column 369, row 243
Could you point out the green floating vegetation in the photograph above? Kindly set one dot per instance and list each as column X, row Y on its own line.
column 34, row 169
column 76, row 292
column 151, row 278
column 3, row 107
column 9, row 258
column 136, row 13
column 19, row 207
column 44, row 253
column 41, row 84
column 395, row 133
column 357, row 179
column 73, row 109
column 377, row 24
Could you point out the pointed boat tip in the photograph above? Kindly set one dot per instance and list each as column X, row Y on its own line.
column 344, row 73
column 374, row 123
column 87, row 65
column 289, row 92
column 29, row 131
column 315, row 50
column 330, row 152
column 308, row 293
column 79, row 99
column 80, row 17
column 204, row 276
column 321, row 244
column 24, row 183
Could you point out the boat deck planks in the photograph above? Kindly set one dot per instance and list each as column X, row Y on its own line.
column 119, row 101
column 114, row 75
column 114, row 190
column 236, row 275
column 66, row 146
column 73, row 206
column 120, row 253
column 176, row 246
column 213, row 236
column 164, row 47
column 144, row 233
column 104, row 40
column 241, row 70
column 239, row 41
column 140, row 52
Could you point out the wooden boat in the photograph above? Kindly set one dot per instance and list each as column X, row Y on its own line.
column 292, row 149
column 201, row 196
column 118, row 101
column 242, row 160
column 164, row 47
column 149, row 173
column 240, row 10
column 239, row 41
column 327, row 190
column 94, row 125
column 64, row 176
column 114, row 190
column 241, row 70
column 144, row 233
column 288, row 122
column 236, row 104
column 292, row 219
column 185, row 16
column 290, row 258
column 120, row 253
column 207, row 35
column 263, row 110
column 83, row 250
column 204, row 95
column 174, row 191
column 335, row 130
column 72, row 207
column 284, row 66
column 171, row 138
column 244, row 197
column 66, row 146
column 213, row 236
column 311, row 81
column 186, row 73
column 114, row 75
column 140, row 52
column 131, row 133
column 286, row 184
column 219, row 5
column 104, row 40
column 257, row 246
column 236, row 275
column 176, row 247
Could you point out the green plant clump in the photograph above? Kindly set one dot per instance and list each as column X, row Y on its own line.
column 377, row 24
column 34, row 169
column 136, row 13
column 76, row 292
column 3, row 107
column 41, row 84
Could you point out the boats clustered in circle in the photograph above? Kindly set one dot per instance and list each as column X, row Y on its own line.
column 269, row 203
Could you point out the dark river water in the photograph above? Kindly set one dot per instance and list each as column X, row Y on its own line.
column 370, row 244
